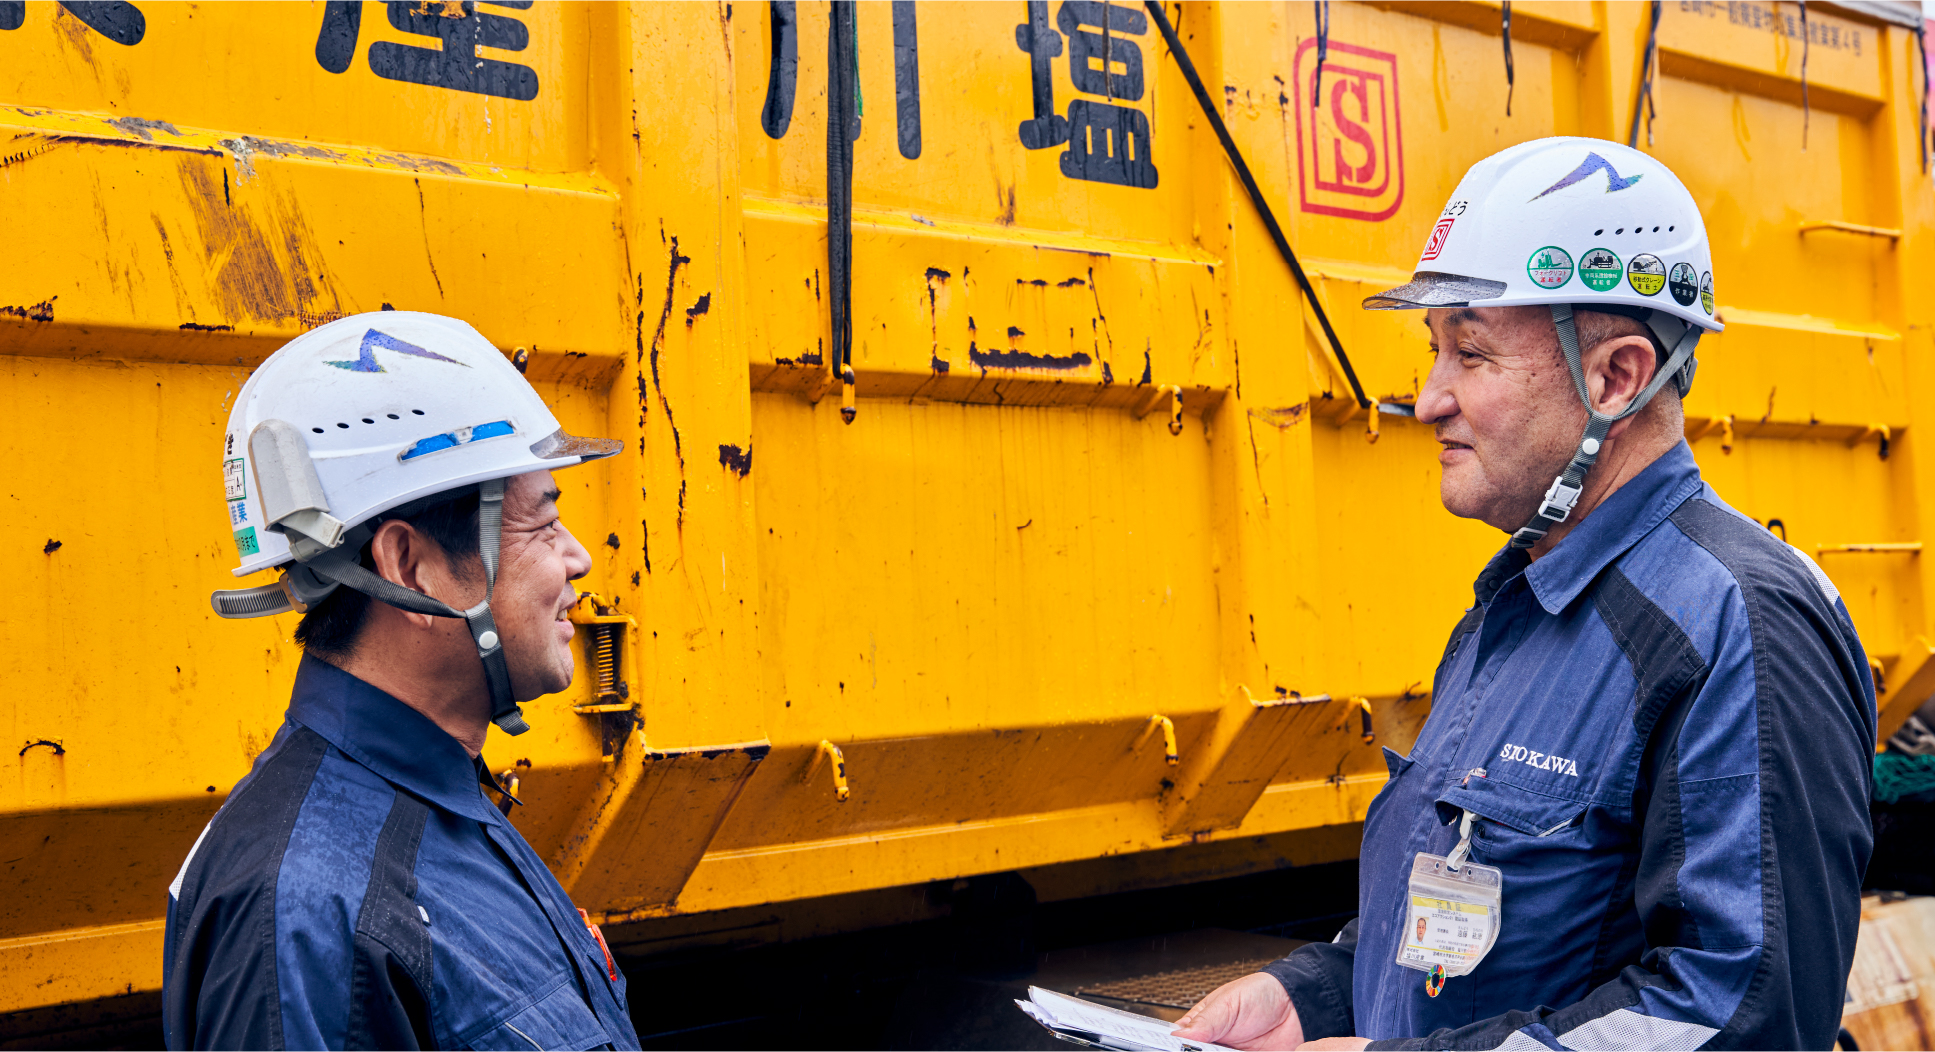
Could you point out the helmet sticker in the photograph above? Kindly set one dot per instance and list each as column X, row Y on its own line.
column 1549, row 267
column 245, row 545
column 1594, row 163
column 235, row 484
column 235, row 478
column 1706, row 292
column 1684, row 281
column 1439, row 234
column 366, row 360
column 1646, row 274
column 1600, row 269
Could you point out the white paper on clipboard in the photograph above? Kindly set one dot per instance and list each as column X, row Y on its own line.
column 1099, row 1026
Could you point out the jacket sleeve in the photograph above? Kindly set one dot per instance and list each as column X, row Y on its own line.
column 1754, row 835
column 238, row 975
column 227, row 986
column 1317, row 977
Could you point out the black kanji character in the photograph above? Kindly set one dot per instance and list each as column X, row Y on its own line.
column 1108, row 144
column 1039, row 39
column 116, row 20
column 461, row 28
column 1094, row 49
column 457, row 65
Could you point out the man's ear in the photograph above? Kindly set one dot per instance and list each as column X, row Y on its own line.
column 401, row 554
column 1618, row 370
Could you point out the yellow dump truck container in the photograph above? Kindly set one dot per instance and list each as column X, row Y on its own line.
column 1107, row 577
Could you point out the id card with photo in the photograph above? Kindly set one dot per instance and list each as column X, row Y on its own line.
column 1453, row 915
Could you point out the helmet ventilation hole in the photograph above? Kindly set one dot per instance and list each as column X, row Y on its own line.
column 1656, row 230
column 1599, row 231
column 343, row 426
column 1621, row 230
column 367, row 420
column 418, row 412
column 1669, row 230
column 317, row 430
column 393, row 416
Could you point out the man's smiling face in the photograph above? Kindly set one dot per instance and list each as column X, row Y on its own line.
column 1503, row 405
column 534, row 595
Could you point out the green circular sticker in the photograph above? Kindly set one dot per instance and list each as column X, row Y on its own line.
column 1549, row 267
column 1706, row 292
column 1600, row 269
column 1646, row 274
column 1684, row 281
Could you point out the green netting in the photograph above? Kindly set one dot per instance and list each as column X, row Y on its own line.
column 1899, row 775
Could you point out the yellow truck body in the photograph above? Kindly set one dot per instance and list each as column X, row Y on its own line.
column 1105, row 574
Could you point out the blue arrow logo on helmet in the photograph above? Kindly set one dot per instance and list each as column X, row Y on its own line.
column 1594, row 163
column 366, row 361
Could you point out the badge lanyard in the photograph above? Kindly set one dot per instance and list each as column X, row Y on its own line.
column 1453, row 916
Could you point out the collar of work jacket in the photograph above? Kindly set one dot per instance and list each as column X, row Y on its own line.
column 398, row 743
column 1631, row 512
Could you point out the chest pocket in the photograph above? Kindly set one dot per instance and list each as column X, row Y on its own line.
column 1518, row 824
column 558, row 1020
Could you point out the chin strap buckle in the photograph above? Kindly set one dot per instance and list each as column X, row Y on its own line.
column 1560, row 500
column 1527, row 536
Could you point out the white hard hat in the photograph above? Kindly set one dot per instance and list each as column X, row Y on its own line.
column 1569, row 220
column 1573, row 224
column 366, row 415
column 388, row 407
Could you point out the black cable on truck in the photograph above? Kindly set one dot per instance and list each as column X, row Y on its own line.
column 842, row 127
column 1643, row 98
column 1256, row 195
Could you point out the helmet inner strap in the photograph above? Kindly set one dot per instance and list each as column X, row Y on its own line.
column 1564, row 492
column 483, row 629
column 341, row 564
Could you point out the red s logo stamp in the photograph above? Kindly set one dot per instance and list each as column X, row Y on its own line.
column 1439, row 234
column 1350, row 150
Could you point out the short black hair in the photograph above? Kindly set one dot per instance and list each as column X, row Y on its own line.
column 331, row 626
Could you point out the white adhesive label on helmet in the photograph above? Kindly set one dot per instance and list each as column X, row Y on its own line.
column 235, row 484
column 235, row 478
column 1549, row 267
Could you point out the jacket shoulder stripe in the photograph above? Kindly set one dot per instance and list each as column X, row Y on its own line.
column 390, row 920
column 224, row 914
column 1664, row 660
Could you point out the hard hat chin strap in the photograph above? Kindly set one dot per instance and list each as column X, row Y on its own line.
column 1564, row 492
column 341, row 564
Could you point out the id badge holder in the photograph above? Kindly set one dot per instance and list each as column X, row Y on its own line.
column 1453, row 913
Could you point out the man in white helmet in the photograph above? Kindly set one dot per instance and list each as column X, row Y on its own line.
column 1637, row 816
column 361, row 888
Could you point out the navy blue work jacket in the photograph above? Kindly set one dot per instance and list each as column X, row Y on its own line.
column 359, row 890
column 1663, row 730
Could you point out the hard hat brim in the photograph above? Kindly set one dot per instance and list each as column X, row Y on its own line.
column 562, row 445
column 1432, row 289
